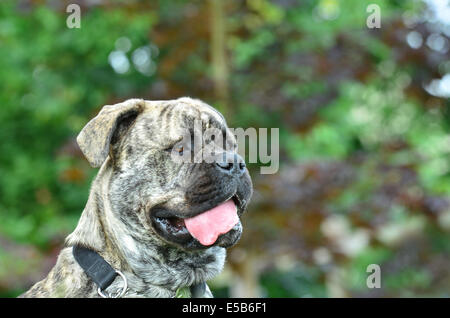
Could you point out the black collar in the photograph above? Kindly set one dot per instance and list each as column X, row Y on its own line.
column 94, row 266
column 102, row 273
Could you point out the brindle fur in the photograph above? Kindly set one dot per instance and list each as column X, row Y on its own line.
column 128, row 141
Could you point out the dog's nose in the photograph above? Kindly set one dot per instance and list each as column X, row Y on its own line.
column 231, row 163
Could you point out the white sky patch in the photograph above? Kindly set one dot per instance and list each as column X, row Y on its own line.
column 119, row 62
column 439, row 87
column 414, row 39
column 440, row 9
column 142, row 61
column 438, row 43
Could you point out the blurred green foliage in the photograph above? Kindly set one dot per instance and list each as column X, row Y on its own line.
column 364, row 177
column 53, row 79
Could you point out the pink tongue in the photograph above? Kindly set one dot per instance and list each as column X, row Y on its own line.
column 207, row 227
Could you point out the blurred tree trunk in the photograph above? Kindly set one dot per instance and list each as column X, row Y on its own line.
column 246, row 284
column 218, row 54
column 335, row 284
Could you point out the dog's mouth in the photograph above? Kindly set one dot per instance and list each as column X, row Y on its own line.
column 207, row 227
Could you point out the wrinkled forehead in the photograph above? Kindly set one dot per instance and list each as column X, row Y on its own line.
column 166, row 120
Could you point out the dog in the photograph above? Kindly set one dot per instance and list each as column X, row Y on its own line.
column 145, row 209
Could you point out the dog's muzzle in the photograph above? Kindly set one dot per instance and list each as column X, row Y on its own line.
column 210, row 220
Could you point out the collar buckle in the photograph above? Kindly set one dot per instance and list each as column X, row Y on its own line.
column 118, row 294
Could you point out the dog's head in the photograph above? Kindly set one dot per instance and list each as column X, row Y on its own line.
column 175, row 171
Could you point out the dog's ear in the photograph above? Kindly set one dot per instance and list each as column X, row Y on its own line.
column 97, row 137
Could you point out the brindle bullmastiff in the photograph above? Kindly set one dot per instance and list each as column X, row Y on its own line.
column 162, row 223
